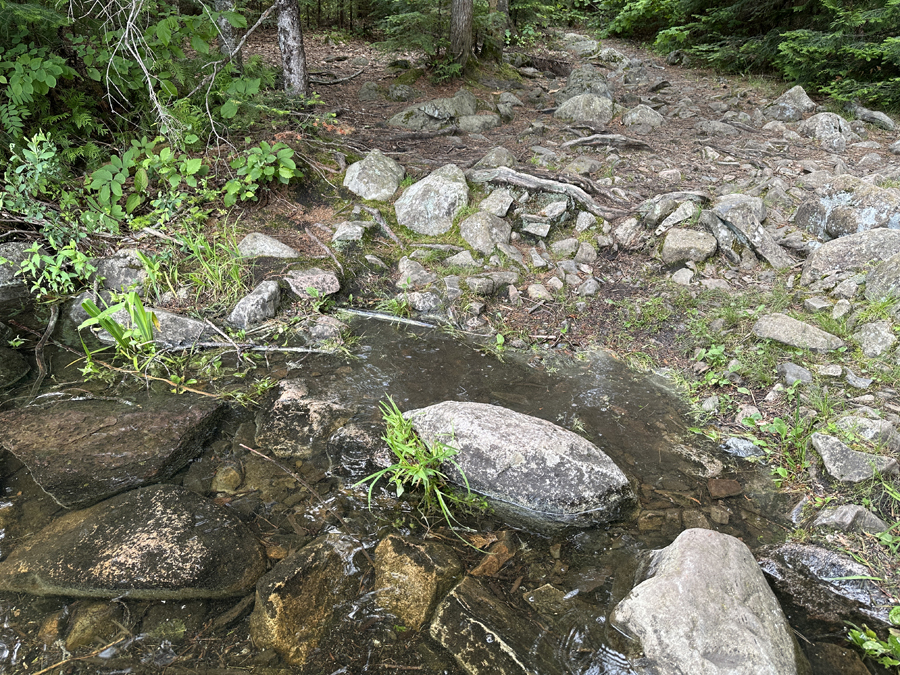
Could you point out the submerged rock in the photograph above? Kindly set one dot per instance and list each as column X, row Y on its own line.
column 705, row 608
column 80, row 452
column 528, row 467
column 297, row 602
column 159, row 542
column 13, row 367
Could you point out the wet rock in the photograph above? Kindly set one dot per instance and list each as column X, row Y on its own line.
column 826, row 658
column 435, row 114
column 782, row 328
column 173, row 621
column 850, row 518
column 743, row 215
column 121, row 271
column 586, row 108
column 93, row 622
column 721, row 488
column 528, row 467
column 158, row 542
column 848, row 206
column 11, row 286
column 298, row 602
column 884, row 281
column 256, row 245
column 822, row 590
column 412, row 576
column 259, row 305
column 584, row 80
column 429, row 206
column 487, row 636
column 297, row 424
column 853, row 253
column 495, row 158
column 375, row 177
column 790, row 106
column 80, row 452
column 741, row 447
column 729, row 619
column 413, row 274
column 478, row 124
column 228, row 478
column 482, row 231
column 322, row 282
column 791, row 373
column 847, row 465
column 683, row 245
column 875, row 338
column 13, row 367
column 171, row 330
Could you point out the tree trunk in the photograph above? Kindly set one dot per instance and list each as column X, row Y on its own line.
column 290, row 42
column 461, row 31
column 227, row 41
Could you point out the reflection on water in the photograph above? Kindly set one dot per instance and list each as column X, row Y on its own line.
column 567, row 582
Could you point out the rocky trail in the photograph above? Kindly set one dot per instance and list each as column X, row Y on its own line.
column 605, row 227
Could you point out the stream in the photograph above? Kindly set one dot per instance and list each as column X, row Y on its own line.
column 635, row 418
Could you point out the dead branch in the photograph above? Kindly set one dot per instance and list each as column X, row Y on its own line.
column 423, row 135
column 613, row 140
column 317, row 80
column 376, row 214
column 325, row 248
column 507, row 176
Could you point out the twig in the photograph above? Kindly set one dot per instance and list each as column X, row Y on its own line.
column 250, row 347
column 317, row 80
column 423, row 135
column 376, row 214
column 79, row 658
column 536, row 307
column 327, row 250
column 157, row 233
column 317, row 496
column 615, row 140
column 387, row 317
column 39, row 349
column 232, row 342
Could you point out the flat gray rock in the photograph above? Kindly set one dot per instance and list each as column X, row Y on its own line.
column 884, row 281
column 643, row 115
column 529, row 466
column 375, row 177
column 847, row 206
column 483, row 231
column 789, row 331
column 586, row 108
column 875, row 338
column 80, row 452
column 429, row 206
column 850, row 518
column 478, row 124
column 497, row 203
column 743, row 215
column 854, row 253
column 495, row 158
column 260, row 304
column 313, row 282
column 121, row 271
column 435, row 114
column 877, row 431
column 847, row 465
column 728, row 619
column 791, row 373
column 683, row 245
column 257, row 244
column 156, row 543
column 413, row 275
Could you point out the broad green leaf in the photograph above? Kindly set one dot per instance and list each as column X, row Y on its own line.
column 134, row 200
column 163, row 32
column 141, row 180
column 199, row 44
column 168, row 87
column 235, row 19
column 229, row 109
column 192, row 166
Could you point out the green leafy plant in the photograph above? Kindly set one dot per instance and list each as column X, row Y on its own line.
column 420, row 465
column 53, row 276
column 132, row 343
column 257, row 166
column 884, row 652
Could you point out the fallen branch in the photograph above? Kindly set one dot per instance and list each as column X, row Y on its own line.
column 317, row 80
column 326, row 249
column 424, row 135
column 376, row 214
column 614, row 140
column 39, row 350
column 507, row 176
column 378, row 316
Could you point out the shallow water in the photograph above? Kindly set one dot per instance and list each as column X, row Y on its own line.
column 635, row 419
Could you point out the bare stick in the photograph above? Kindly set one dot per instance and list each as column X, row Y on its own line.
column 317, row 80
column 376, row 214
column 614, row 140
column 326, row 249
column 39, row 350
column 232, row 342
column 317, row 496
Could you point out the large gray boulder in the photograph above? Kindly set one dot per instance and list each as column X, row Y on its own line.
column 429, row 206
column 13, row 367
column 789, row 331
column 11, row 286
column 683, row 245
column 790, row 106
column 483, row 231
column 586, row 108
column 156, row 543
column 375, row 177
column 643, row 119
column 528, row 467
column 584, row 80
column 435, row 114
column 832, row 131
column 83, row 451
column 121, row 271
column 847, row 465
column 704, row 608
column 847, row 206
column 854, row 253
column 257, row 244
column 884, row 281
